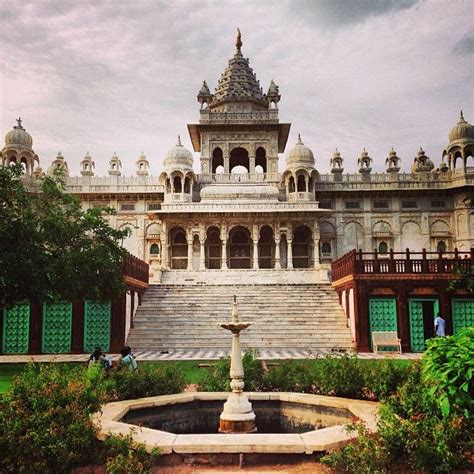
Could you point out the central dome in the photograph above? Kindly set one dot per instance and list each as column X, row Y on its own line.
column 179, row 157
column 463, row 130
column 18, row 136
column 300, row 155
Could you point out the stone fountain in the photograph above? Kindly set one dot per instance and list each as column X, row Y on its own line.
column 238, row 416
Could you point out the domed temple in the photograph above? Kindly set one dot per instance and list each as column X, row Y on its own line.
column 239, row 221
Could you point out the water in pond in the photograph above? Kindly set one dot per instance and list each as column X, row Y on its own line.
column 200, row 417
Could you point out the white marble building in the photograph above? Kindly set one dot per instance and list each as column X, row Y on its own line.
column 240, row 213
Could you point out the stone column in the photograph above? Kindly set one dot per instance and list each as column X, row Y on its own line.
column 202, row 259
column 277, row 253
column 252, row 162
column 255, row 246
column 190, row 254
column 316, row 236
column 289, row 254
column 224, row 248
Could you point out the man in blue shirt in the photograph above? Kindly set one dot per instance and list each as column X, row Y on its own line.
column 440, row 326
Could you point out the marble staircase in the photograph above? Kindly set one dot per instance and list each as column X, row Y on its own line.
column 286, row 316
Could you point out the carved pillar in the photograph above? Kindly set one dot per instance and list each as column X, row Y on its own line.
column 316, row 236
column 277, row 252
column 224, row 248
column 255, row 246
column 190, row 251
column 289, row 254
column 252, row 162
column 202, row 259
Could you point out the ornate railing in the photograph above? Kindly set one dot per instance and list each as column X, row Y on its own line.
column 360, row 263
column 135, row 268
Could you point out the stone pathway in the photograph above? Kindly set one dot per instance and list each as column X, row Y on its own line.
column 198, row 354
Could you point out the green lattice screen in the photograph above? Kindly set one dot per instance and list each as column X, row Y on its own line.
column 96, row 325
column 16, row 329
column 57, row 327
column 417, row 329
column 382, row 315
column 463, row 314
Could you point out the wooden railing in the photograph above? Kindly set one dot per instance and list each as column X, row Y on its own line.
column 358, row 262
column 135, row 268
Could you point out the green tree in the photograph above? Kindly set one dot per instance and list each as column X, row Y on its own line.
column 52, row 249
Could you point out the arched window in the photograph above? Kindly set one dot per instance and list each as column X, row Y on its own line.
column 441, row 247
column 301, row 183
column 154, row 249
column 239, row 159
column 326, row 249
column 217, row 159
column 383, row 247
column 261, row 158
column 291, row 185
column 177, row 184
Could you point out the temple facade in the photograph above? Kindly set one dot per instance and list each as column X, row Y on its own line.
column 240, row 213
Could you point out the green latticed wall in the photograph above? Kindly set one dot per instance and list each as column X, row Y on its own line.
column 57, row 327
column 382, row 315
column 463, row 314
column 417, row 331
column 96, row 325
column 16, row 329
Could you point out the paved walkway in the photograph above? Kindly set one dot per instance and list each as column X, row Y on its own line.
column 199, row 354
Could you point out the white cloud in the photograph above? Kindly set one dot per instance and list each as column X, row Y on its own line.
column 123, row 76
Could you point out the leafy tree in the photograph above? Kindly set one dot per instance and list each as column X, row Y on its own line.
column 52, row 249
column 464, row 279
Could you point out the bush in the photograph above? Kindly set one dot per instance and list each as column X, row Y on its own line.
column 123, row 456
column 384, row 377
column 146, row 381
column 45, row 423
column 217, row 379
column 413, row 431
column 448, row 365
column 291, row 376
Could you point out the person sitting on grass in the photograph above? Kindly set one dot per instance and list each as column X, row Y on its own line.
column 127, row 359
column 99, row 356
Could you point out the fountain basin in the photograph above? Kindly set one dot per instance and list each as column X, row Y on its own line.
column 195, row 413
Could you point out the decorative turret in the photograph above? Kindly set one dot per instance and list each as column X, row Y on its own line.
column 364, row 162
column 422, row 163
column 337, row 165
column 392, row 162
column 143, row 166
column 204, row 95
column 115, row 165
column 59, row 166
column 18, row 149
column 300, row 156
column 87, row 166
column 273, row 94
column 178, row 176
column 461, row 144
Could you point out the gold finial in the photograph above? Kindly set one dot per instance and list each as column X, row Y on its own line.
column 179, row 141
column 461, row 118
column 18, row 121
column 238, row 43
column 299, row 141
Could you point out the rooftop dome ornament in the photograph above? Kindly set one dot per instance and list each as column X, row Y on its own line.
column 59, row 166
column 300, row 156
column 87, row 165
column 337, row 165
column 238, row 43
column 463, row 130
column 143, row 166
column 115, row 165
column 392, row 162
column 422, row 163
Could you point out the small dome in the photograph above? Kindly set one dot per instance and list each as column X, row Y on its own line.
column 463, row 130
column 179, row 157
column 18, row 136
column 300, row 155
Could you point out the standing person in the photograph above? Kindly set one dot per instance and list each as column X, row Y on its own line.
column 127, row 359
column 440, row 326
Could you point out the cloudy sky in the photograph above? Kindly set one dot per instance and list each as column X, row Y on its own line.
column 105, row 76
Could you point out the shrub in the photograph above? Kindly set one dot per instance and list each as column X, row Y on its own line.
column 123, row 456
column 291, row 376
column 147, row 381
column 448, row 365
column 413, row 432
column 383, row 377
column 45, row 423
column 217, row 379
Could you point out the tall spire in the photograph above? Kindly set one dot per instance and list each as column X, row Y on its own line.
column 238, row 43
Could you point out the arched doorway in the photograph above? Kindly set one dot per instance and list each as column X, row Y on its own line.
column 266, row 248
column 217, row 159
column 179, row 249
column 213, row 247
column 261, row 159
column 302, row 247
column 240, row 248
column 239, row 157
